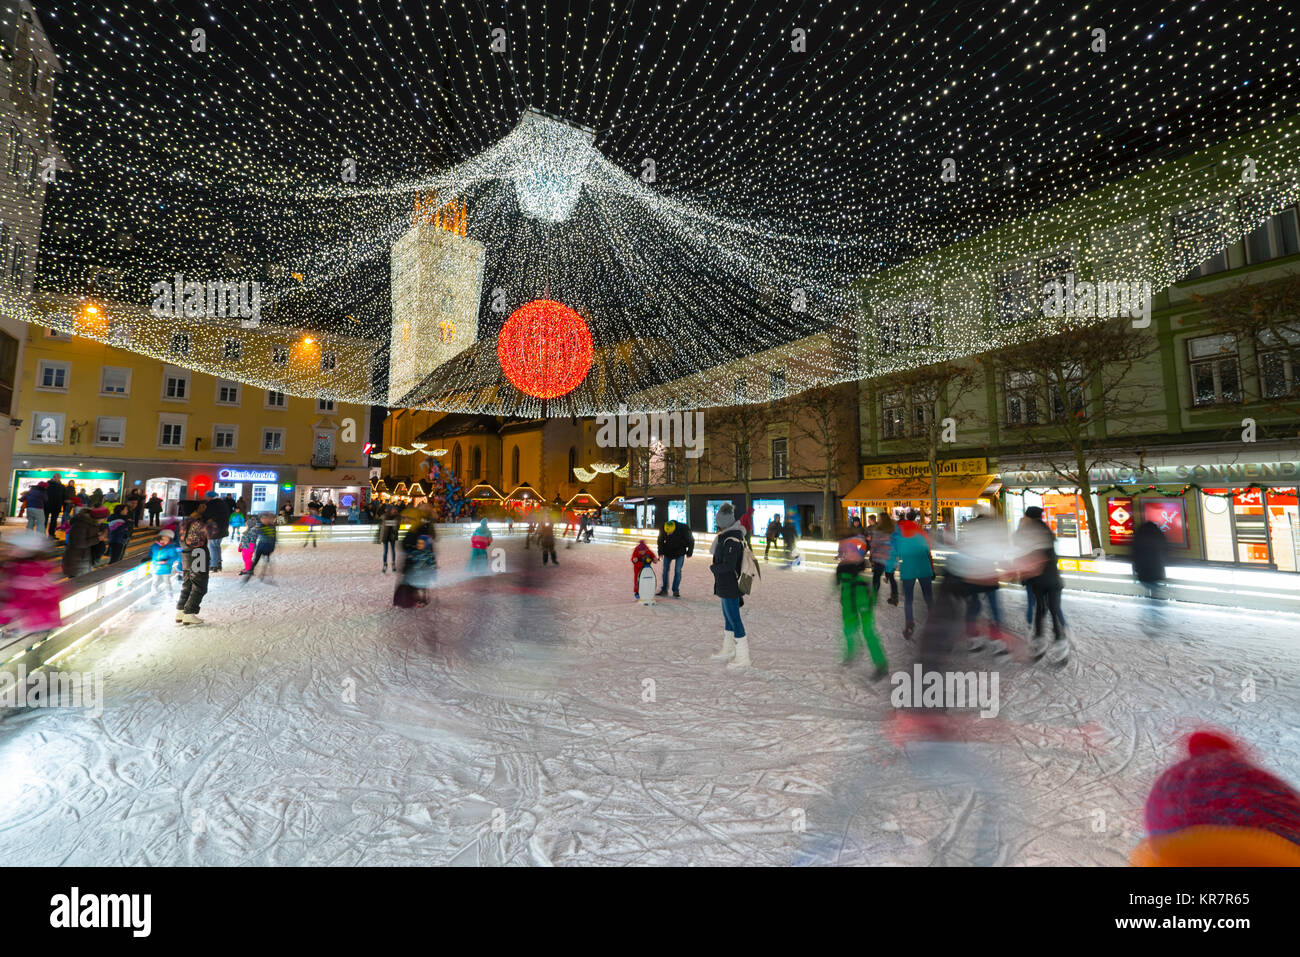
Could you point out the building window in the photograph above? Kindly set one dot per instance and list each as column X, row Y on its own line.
column 455, row 459
column 114, row 380
column 780, row 458
column 110, row 430
column 573, row 463
column 276, row 400
column 58, row 335
column 171, row 432
column 176, row 385
column 1279, row 363
column 889, row 336
column 324, row 405
column 47, row 428
column 514, row 467
column 1215, row 374
column 232, row 350
column 52, row 376
column 476, row 465
column 227, row 392
column 327, row 361
column 8, row 371
column 738, row 389
column 273, row 441
column 279, row 355
column 18, row 264
column 1067, row 394
column 776, row 384
column 1195, row 232
column 4, row 244
column 225, row 437
column 179, row 345
column 1015, row 295
column 1022, row 398
column 893, row 416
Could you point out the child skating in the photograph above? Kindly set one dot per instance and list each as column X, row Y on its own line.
column 164, row 562
column 642, row 573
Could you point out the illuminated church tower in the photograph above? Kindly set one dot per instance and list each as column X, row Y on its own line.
column 437, row 282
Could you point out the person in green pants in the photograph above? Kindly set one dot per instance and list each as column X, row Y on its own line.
column 858, row 605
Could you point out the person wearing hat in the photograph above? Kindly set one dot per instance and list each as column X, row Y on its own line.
column 164, row 561
column 1042, row 576
column 1218, row 808
column 728, row 551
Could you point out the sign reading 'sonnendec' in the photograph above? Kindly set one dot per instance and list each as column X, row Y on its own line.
column 246, row 475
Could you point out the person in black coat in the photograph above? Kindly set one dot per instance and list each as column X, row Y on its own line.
column 1042, row 576
column 676, row 544
column 728, row 552
column 53, row 504
column 788, row 536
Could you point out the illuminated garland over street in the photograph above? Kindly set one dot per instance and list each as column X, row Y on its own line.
column 702, row 185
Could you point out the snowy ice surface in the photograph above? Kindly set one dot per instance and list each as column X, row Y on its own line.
column 310, row 722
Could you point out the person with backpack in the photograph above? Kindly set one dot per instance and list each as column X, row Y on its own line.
column 264, row 548
column 858, row 603
column 730, row 563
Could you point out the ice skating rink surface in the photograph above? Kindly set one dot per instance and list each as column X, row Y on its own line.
column 540, row 716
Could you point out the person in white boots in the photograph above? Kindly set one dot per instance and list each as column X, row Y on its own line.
column 728, row 551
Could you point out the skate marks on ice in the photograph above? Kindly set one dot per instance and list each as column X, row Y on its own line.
column 511, row 722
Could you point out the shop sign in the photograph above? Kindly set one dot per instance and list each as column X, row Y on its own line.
column 1244, row 472
column 247, row 475
column 922, row 469
column 1119, row 516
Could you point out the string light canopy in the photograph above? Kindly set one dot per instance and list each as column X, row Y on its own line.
column 698, row 198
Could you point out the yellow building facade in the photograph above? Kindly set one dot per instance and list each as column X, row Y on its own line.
column 114, row 419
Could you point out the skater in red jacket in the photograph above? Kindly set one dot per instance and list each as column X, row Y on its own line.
column 641, row 557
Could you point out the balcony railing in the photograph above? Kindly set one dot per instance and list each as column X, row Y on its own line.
column 324, row 461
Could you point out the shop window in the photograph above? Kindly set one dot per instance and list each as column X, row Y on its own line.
column 1215, row 373
column 893, row 417
column 1284, row 528
column 1279, row 363
column 780, row 458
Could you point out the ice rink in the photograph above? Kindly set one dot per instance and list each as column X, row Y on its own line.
column 539, row 716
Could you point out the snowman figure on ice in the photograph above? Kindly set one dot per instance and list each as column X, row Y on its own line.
column 643, row 576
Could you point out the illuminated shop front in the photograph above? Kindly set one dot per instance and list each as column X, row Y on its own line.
column 1240, row 513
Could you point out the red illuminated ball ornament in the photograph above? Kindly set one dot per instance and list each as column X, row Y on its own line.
column 545, row 349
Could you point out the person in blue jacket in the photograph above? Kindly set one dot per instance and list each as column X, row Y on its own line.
column 910, row 554
column 164, row 562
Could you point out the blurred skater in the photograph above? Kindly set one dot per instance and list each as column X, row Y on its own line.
column 857, row 604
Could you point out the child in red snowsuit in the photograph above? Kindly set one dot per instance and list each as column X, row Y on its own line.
column 641, row 557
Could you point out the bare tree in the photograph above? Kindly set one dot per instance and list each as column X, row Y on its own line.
column 736, row 434
column 1068, row 386
column 932, row 400
column 823, row 420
